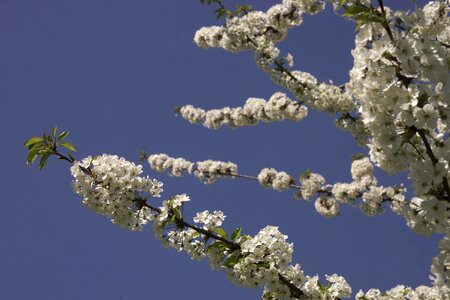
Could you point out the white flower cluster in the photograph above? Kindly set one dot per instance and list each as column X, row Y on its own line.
column 403, row 87
column 279, row 107
column 185, row 240
column 273, row 289
column 179, row 238
column 345, row 192
column 327, row 206
column 304, row 86
column 209, row 220
column 271, row 178
column 110, row 186
column 162, row 162
column 207, row 171
column 364, row 186
column 266, row 256
column 428, row 215
column 320, row 96
column 311, row 183
column 338, row 288
column 403, row 292
column 263, row 257
column 257, row 29
column 362, row 171
column 425, row 176
column 329, row 196
column 337, row 4
column 440, row 268
column 260, row 260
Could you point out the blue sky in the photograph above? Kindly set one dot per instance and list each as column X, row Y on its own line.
column 112, row 72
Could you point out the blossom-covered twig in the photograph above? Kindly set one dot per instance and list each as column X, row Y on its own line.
column 310, row 184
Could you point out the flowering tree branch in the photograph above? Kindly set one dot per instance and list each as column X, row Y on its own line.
column 434, row 160
column 396, row 104
column 329, row 196
column 111, row 186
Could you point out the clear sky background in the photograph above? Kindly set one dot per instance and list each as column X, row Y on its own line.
column 112, row 72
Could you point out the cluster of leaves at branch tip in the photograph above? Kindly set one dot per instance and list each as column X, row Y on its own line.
column 305, row 175
column 46, row 146
column 223, row 12
column 363, row 14
column 233, row 257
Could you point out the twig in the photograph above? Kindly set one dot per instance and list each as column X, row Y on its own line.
column 386, row 23
column 434, row 161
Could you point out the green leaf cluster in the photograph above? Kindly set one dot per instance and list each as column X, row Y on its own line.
column 228, row 259
column 224, row 12
column 270, row 295
column 323, row 288
column 305, row 175
column 242, row 10
column 46, row 146
column 364, row 14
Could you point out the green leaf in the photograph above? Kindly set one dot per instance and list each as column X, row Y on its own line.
column 263, row 264
column 71, row 156
column 35, row 145
column 231, row 261
column 358, row 24
column 32, row 155
column 176, row 212
column 62, row 135
column 342, row 3
column 242, row 9
column 354, row 10
column 68, row 145
column 423, row 99
column 236, row 233
column 305, row 175
column 221, row 232
column 43, row 161
column 367, row 17
column 33, row 140
column 217, row 245
column 165, row 223
column 54, row 132
column 323, row 288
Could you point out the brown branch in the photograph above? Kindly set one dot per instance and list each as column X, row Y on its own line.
column 434, row 161
column 280, row 66
column 295, row 291
column 386, row 23
column 62, row 156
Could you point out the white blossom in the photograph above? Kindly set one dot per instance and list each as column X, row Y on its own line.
column 206, row 171
column 311, row 184
column 278, row 107
column 111, row 186
column 327, row 207
column 209, row 220
column 271, row 178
